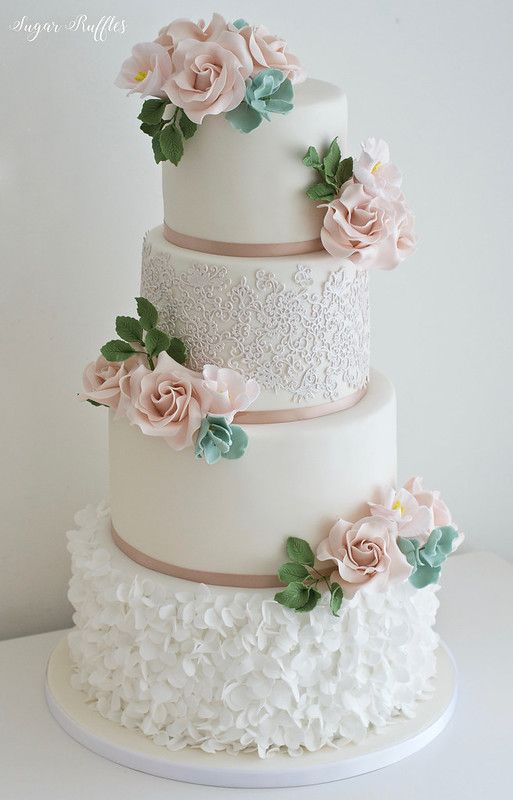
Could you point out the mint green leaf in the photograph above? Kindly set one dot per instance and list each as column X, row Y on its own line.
column 300, row 551
column 312, row 159
column 156, row 341
column 158, row 155
column 152, row 111
column 240, row 23
column 313, row 598
column 424, row 575
column 171, row 143
column 177, row 350
column 94, row 403
column 148, row 314
column 331, row 160
column 337, row 595
column 187, row 126
column 150, row 130
column 288, row 573
column 129, row 329
column 244, row 118
column 294, row 596
column 116, row 350
column 344, row 171
column 322, row 192
column 239, row 443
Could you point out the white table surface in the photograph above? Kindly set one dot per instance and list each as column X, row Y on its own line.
column 472, row 758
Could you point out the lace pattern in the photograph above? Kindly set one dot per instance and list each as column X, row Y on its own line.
column 312, row 342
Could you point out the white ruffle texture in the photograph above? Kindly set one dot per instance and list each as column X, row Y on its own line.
column 228, row 669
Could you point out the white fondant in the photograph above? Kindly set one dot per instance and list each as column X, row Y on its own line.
column 295, row 479
column 74, row 713
column 235, row 187
column 299, row 326
column 225, row 669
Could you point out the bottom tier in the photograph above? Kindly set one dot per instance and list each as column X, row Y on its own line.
column 215, row 668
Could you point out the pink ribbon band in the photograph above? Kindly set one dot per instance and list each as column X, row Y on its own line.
column 239, row 580
column 241, row 249
column 298, row 414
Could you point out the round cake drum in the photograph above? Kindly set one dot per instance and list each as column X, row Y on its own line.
column 131, row 749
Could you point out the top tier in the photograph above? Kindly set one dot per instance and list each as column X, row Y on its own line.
column 250, row 189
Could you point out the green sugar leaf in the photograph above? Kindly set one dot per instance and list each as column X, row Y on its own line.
column 300, row 551
column 312, row 159
column 288, row 573
column 148, row 314
column 129, row 329
column 150, row 130
column 313, row 598
column 331, row 160
column 156, row 341
column 294, row 596
column 337, row 595
column 152, row 111
column 344, row 171
column 187, row 126
column 171, row 143
column 117, row 350
column 321, row 192
column 177, row 350
column 94, row 403
column 158, row 155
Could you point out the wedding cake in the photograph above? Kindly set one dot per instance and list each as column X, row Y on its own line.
column 258, row 581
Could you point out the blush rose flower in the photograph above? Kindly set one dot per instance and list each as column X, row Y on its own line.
column 164, row 402
column 146, row 71
column 209, row 76
column 431, row 499
column 371, row 231
column 229, row 391
column 413, row 518
column 200, row 31
column 374, row 170
column 269, row 51
column 365, row 554
column 101, row 380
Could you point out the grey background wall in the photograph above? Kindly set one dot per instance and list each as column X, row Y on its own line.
column 79, row 188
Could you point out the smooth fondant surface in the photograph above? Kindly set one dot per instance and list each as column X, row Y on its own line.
column 295, row 479
column 235, row 187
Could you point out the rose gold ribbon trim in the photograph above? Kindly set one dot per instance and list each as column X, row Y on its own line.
column 239, row 580
column 298, row 414
column 241, row 249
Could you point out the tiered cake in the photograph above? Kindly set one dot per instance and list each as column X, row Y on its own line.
column 245, row 429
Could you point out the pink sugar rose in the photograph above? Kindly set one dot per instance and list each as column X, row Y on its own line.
column 431, row 499
column 167, row 401
column 413, row 519
column 371, row 231
column 268, row 51
column 101, row 380
column 209, row 76
column 375, row 172
column 229, row 391
column 365, row 554
column 200, row 31
column 146, row 71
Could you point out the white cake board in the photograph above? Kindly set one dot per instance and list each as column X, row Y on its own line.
column 132, row 749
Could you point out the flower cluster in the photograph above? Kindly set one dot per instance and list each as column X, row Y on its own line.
column 407, row 535
column 141, row 380
column 195, row 70
column 367, row 219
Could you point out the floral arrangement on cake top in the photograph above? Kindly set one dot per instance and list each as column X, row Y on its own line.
column 142, row 376
column 193, row 70
column 367, row 219
column 407, row 535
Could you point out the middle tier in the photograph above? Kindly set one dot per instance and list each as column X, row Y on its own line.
column 299, row 325
column 234, row 517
